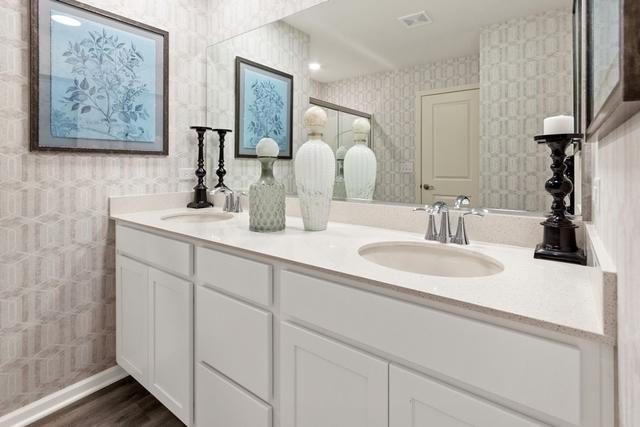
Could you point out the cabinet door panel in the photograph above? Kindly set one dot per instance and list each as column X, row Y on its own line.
column 418, row 401
column 220, row 403
column 324, row 383
column 132, row 318
column 170, row 341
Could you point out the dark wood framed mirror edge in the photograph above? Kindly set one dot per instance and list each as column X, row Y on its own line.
column 624, row 100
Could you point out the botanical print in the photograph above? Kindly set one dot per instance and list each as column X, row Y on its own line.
column 102, row 83
column 266, row 109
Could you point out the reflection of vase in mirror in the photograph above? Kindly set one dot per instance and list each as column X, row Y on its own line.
column 339, row 190
column 267, row 196
column 360, row 164
column 315, row 169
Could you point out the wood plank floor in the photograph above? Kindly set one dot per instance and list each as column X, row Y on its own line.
column 124, row 403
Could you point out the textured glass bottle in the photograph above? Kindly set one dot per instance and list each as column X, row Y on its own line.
column 266, row 197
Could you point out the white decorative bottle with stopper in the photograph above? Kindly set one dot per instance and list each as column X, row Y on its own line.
column 266, row 197
column 360, row 164
column 315, row 169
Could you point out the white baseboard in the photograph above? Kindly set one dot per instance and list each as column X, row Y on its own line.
column 58, row 400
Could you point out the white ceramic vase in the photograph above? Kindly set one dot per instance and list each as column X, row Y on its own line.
column 315, row 169
column 360, row 165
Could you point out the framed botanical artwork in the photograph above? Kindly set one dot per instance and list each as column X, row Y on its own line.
column 613, row 63
column 264, row 108
column 99, row 81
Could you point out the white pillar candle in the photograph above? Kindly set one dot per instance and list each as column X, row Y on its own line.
column 558, row 125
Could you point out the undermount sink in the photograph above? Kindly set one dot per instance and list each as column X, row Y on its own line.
column 431, row 259
column 197, row 217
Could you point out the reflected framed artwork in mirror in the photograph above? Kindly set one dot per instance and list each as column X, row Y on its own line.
column 613, row 64
column 264, row 108
column 99, row 81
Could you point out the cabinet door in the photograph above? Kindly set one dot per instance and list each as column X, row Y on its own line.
column 170, row 340
column 418, row 401
column 132, row 317
column 325, row 383
column 220, row 403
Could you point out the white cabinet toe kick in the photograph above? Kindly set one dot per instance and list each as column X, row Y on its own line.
column 225, row 339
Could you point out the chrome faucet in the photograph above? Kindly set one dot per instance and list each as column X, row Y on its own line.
column 232, row 200
column 432, row 233
column 461, row 231
column 461, row 201
column 444, row 233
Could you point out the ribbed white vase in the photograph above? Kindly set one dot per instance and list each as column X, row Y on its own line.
column 360, row 165
column 315, row 169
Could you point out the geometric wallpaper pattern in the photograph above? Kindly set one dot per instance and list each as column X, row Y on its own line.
column 57, row 289
column 390, row 96
column 526, row 68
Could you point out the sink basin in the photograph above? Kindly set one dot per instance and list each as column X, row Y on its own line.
column 431, row 259
column 197, row 217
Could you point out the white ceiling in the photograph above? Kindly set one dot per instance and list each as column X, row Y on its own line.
column 356, row 37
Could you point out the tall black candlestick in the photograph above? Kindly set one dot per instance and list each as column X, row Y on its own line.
column 221, row 172
column 559, row 237
column 200, row 190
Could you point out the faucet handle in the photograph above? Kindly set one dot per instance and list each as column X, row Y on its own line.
column 426, row 208
column 461, row 201
column 431, row 233
column 481, row 212
column 237, row 206
column 460, row 237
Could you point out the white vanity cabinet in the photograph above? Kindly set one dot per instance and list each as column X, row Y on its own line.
column 154, row 318
column 282, row 345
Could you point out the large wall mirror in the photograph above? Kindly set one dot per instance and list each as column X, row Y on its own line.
column 455, row 91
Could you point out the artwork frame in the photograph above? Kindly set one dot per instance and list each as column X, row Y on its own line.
column 249, row 132
column 132, row 118
column 609, row 108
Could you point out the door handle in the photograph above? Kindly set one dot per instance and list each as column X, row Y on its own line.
column 427, row 187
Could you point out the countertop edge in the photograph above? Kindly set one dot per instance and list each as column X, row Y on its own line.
column 606, row 338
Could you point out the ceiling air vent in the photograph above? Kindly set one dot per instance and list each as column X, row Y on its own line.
column 415, row 19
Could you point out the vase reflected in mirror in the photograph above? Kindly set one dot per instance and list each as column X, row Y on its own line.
column 339, row 190
column 360, row 165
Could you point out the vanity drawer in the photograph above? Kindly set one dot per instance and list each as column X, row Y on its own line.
column 220, row 403
column 538, row 373
column 239, row 276
column 235, row 339
column 169, row 254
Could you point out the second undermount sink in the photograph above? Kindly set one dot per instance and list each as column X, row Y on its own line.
column 198, row 217
column 431, row 259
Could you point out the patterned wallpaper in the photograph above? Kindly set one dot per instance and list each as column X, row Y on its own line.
column 229, row 18
column 525, row 76
column 56, row 244
column 277, row 45
column 390, row 97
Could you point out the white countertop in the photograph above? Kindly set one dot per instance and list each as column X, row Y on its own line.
column 558, row 296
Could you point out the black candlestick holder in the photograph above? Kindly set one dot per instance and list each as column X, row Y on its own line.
column 221, row 172
column 559, row 237
column 200, row 199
